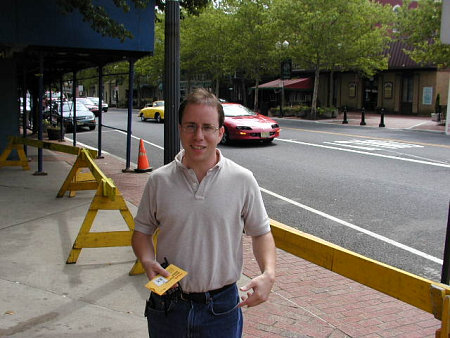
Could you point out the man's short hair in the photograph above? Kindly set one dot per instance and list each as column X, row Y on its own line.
column 202, row 96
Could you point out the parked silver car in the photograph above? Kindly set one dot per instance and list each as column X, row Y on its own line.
column 95, row 100
column 84, row 117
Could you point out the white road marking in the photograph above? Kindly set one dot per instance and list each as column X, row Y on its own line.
column 355, row 227
column 375, row 144
column 137, row 138
column 323, row 214
column 437, row 164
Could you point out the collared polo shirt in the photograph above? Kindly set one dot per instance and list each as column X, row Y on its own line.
column 202, row 223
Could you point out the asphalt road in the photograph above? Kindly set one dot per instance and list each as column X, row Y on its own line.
column 382, row 193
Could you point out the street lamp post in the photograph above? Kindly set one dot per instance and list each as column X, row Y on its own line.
column 286, row 67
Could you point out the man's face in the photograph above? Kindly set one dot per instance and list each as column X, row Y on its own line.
column 200, row 134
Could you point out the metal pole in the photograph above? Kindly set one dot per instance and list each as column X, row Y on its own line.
column 39, row 172
column 445, row 278
column 282, row 98
column 49, row 106
column 130, row 112
column 171, row 80
column 447, row 130
column 100, row 110
column 61, row 102
column 24, row 108
column 74, row 98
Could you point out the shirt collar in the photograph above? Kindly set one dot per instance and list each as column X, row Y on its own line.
column 179, row 158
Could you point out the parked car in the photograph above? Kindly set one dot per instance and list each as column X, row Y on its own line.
column 154, row 110
column 242, row 123
column 84, row 117
column 92, row 106
column 95, row 100
column 28, row 104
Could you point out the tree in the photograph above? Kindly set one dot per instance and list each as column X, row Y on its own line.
column 100, row 21
column 205, row 46
column 151, row 68
column 334, row 35
column 254, row 44
column 420, row 28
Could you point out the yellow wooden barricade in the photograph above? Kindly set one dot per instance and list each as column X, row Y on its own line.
column 12, row 145
column 419, row 292
column 77, row 180
column 107, row 197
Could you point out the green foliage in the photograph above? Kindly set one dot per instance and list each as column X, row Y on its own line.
column 333, row 35
column 150, row 68
column 205, row 44
column 293, row 110
column 327, row 112
column 254, row 43
column 420, row 28
column 100, row 21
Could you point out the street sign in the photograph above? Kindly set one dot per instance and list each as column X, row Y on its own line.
column 286, row 69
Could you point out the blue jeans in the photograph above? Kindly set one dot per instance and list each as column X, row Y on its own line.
column 219, row 317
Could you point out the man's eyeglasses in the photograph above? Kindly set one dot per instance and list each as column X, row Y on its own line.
column 207, row 129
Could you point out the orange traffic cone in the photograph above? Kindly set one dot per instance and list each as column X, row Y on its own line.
column 143, row 165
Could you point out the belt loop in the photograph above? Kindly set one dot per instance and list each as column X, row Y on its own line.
column 208, row 298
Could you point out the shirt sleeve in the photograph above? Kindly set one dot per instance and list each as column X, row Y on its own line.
column 256, row 220
column 145, row 220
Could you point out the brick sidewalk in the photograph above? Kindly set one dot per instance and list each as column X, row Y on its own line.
column 390, row 121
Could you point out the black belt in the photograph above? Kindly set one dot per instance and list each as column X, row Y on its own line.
column 203, row 297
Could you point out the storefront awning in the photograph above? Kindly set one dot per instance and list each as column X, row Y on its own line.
column 302, row 83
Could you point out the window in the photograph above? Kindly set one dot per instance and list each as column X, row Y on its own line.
column 352, row 89
column 388, row 90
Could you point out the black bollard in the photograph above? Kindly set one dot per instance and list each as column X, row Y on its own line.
column 381, row 125
column 345, row 116
column 363, row 117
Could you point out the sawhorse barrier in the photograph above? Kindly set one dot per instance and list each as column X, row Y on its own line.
column 14, row 144
column 107, row 196
column 419, row 292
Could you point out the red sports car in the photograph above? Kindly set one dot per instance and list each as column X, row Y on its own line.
column 243, row 124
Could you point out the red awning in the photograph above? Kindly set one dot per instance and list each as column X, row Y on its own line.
column 302, row 83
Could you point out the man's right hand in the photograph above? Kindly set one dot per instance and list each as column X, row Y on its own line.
column 144, row 251
column 153, row 268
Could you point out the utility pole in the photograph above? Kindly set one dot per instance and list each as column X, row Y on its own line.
column 171, row 80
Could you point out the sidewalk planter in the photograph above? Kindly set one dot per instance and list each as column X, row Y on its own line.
column 296, row 111
column 54, row 133
column 327, row 112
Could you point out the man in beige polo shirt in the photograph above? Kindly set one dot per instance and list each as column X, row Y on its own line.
column 203, row 204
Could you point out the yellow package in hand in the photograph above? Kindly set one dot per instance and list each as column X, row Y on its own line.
column 161, row 284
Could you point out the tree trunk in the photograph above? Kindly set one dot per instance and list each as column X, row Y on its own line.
column 217, row 87
column 331, row 93
column 244, row 93
column 255, row 103
column 313, row 114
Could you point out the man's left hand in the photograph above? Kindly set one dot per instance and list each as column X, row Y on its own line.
column 258, row 290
